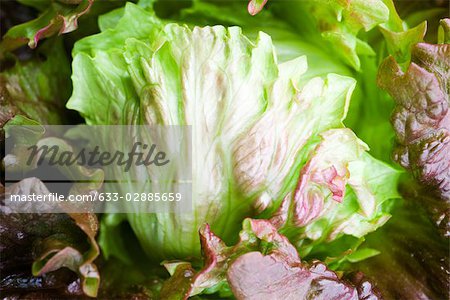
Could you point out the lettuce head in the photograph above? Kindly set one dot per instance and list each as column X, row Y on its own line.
column 268, row 140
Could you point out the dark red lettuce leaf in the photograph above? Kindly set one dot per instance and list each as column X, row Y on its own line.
column 34, row 246
column 421, row 120
column 262, row 265
column 257, row 276
column 37, row 88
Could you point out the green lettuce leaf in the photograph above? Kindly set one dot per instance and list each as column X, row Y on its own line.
column 58, row 17
column 370, row 107
column 338, row 22
column 288, row 42
column 337, row 200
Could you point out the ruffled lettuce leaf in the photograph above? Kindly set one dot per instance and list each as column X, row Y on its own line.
column 269, row 134
column 370, row 107
column 338, row 22
column 341, row 22
column 45, row 243
column 55, row 254
column 421, row 121
column 289, row 43
column 33, row 92
column 337, row 202
column 18, row 160
column 57, row 17
column 57, row 246
column 262, row 265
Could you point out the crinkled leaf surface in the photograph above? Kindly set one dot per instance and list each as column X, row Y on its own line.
column 262, row 265
column 422, row 119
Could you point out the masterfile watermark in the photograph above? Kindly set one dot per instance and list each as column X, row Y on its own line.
column 123, row 169
column 145, row 155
